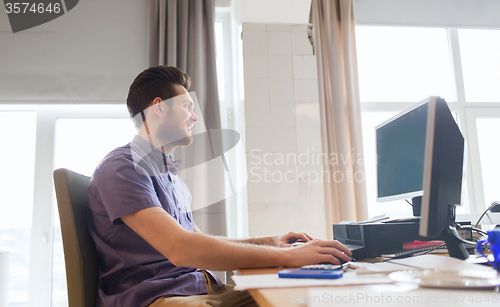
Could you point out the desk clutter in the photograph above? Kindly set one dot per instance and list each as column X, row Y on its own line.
column 370, row 240
column 422, row 271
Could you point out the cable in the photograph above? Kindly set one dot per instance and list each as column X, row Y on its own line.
column 454, row 232
column 495, row 203
column 471, row 228
column 479, row 230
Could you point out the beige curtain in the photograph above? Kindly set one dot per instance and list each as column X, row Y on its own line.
column 181, row 33
column 335, row 48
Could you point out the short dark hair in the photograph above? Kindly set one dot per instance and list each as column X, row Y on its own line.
column 157, row 81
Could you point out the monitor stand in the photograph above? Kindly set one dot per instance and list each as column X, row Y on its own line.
column 416, row 203
column 456, row 248
column 454, row 243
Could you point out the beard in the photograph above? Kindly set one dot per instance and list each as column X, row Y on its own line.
column 183, row 142
column 175, row 135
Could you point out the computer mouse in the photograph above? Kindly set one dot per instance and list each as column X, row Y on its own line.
column 342, row 261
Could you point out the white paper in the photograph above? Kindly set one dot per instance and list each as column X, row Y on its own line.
column 380, row 267
column 273, row 281
column 434, row 262
column 442, row 263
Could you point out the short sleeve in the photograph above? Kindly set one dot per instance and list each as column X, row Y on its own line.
column 123, row 188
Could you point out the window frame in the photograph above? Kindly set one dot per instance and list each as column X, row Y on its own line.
column 467, row 113
column 42, row 228
column 473, row 114
column 232, row 117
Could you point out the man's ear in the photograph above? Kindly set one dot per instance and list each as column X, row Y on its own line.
column 157, row 106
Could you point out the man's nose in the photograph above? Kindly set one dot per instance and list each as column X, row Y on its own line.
column 194, row 118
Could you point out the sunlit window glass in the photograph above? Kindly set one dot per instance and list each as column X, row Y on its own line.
column 480, row 51
column 17, row 136
column 489, row 149
column 403, row 64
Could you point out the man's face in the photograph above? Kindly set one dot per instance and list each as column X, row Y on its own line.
column 179, row 118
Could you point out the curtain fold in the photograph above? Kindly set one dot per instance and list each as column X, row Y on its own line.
column 181, row 34
column 340, row 111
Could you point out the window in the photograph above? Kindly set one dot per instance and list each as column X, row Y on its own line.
column 230, row 83
column 32, row 135
column 480, row 51
column 403, row 64
column 17, row 136
column 400, row 66
column 489, row 149
column 483, row 127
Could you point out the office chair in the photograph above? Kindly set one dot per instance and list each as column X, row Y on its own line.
column 80, row 254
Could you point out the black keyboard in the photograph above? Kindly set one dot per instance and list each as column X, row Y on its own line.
column 413, row 252
column 417, row 251
column 421, row 250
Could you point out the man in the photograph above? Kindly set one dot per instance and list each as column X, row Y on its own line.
column 152, row 252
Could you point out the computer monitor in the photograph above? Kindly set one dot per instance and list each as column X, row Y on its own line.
column 400, row 155
column 442, row 177
column 420, row 155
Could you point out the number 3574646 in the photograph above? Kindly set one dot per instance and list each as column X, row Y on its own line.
column 36, row 8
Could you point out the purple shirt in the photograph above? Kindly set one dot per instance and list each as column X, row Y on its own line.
column 133, row 273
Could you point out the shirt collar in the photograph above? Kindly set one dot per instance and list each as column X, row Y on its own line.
column 147, row 151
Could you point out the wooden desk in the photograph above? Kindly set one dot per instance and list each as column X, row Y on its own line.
column 272, row 297
column 278, row 296
column 288, row 297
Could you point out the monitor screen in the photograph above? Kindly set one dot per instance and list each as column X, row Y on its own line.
column 400, row 154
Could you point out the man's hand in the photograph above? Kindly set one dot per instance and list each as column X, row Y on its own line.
column 286, row 240
column 317, row 251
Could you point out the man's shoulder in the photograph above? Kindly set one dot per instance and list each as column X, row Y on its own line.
column 117, row 155
column 123, row 160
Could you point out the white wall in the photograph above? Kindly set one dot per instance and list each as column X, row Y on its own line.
column 92, row 53
column 272, row 11
column 285, row 189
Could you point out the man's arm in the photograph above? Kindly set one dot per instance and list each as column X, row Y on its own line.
column 194, row 249
column 278, row 241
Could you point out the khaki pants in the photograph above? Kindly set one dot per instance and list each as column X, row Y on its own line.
column 224, row 296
